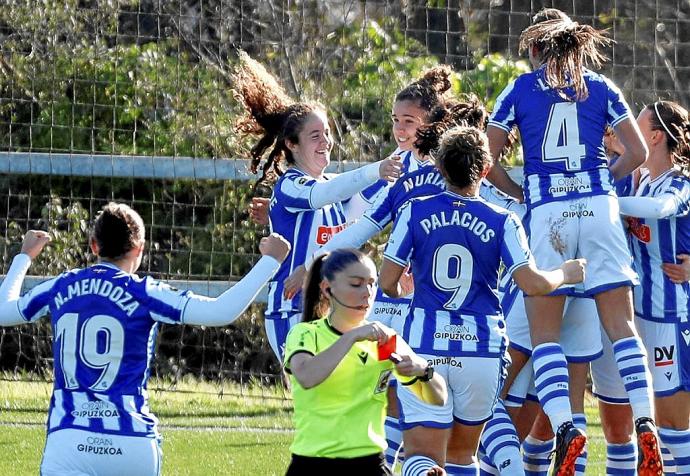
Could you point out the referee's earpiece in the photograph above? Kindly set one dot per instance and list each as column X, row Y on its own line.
column 328, row 291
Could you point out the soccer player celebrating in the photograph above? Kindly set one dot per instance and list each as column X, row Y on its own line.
column 339, row 376
column 562, row 110
column 306, row 206
column 659, row 223
column 104, row 320
column 455, row 242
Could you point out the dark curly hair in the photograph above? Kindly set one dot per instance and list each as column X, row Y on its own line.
column 271, row 114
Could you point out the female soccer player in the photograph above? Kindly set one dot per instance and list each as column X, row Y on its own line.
column 562, row 110
column 339, row 377
column 660, row 227
column 455, row 319
column 105, row 319
column 306, row 206
column 414, row 106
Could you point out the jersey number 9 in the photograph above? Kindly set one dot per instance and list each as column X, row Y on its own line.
column 453, row 273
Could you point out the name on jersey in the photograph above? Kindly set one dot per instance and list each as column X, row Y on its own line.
column 432, row 178
column 325, row 233
column 570, row 184
column 99, row 287
column 458, row 218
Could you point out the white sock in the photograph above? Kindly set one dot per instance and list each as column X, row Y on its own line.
column 535, row 455
column 621, row 459
column 551, row 381
column 632, row 366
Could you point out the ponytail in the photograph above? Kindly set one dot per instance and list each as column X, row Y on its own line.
column 313, row 303
column 566, row 47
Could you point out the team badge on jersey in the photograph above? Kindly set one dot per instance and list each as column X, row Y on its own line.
column 641, row 231
column 382, row 383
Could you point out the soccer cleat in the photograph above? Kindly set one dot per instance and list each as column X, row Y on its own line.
column 570, row 443
column 649, row 461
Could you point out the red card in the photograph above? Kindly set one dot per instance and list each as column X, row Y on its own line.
column 385, row 350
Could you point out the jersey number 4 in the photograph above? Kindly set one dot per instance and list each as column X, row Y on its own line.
column 562, row 137
column 453, row 273
column 98, row 344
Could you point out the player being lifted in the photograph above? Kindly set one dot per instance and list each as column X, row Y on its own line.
column 306, row 206
column 562, row 110
column 105, row 320
column 455, row 242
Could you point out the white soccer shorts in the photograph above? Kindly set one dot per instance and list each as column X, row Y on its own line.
column 72, row 452
column 473, row 386
column 588, row 228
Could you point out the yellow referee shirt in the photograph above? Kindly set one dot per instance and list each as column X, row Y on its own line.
column 343, row 416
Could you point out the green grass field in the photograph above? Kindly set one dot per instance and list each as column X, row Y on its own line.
column 204, row 433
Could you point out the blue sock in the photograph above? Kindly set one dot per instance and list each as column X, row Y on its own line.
column 621, row 459
column 678, row 444
column 535, row 454
column 394, row 440
column 462, row 469
column 580, row 421
column 417, row 465
column 632, row 366
column 551, row 381
column 501, row 444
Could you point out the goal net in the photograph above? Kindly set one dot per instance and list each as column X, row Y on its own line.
column 130, row 100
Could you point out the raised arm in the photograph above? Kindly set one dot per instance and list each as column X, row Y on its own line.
column 636, row 150
column 227, row 307
column 349, row 183
column 498, row 175
column 33, row 244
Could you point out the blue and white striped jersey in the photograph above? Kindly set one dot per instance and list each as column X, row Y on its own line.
column 409, row 164
column 657, row 241
column 562, row 141
column 455, row 245
column 104, row 325
column 307, row 228
column 423, row 182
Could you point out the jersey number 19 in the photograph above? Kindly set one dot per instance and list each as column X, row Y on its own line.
column 81, row 344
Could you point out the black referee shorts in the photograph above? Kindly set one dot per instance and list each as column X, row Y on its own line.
column 374, row 465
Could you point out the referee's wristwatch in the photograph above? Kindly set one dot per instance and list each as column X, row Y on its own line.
column 428, row 374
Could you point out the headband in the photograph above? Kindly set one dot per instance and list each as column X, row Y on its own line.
column 663, row 124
